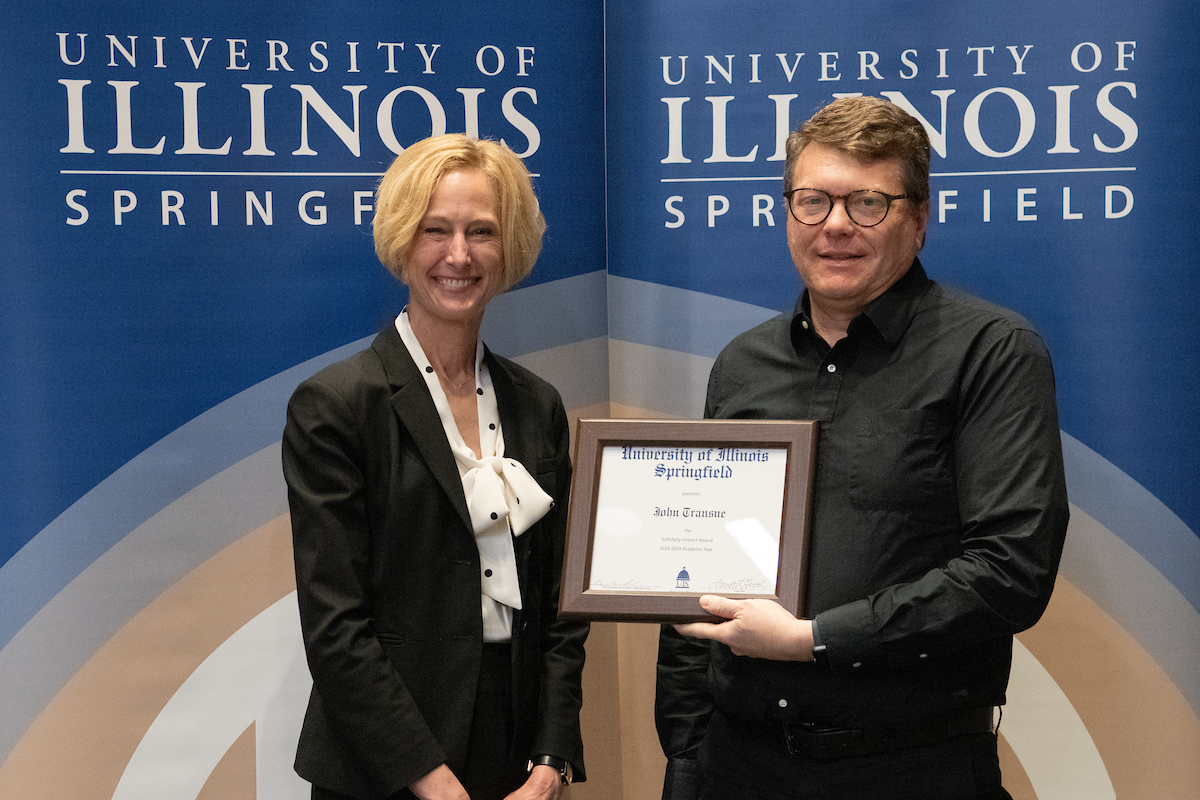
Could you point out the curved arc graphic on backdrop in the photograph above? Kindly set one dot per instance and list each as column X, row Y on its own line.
column 1040, row 713
column 204, row 447
column 521, row 322
column 277, row 681
column 96, row 604
column 51, row 624
column 1087, row 555
column 255, row 677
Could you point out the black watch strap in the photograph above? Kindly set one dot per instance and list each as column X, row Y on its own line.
column 559, row 765
column 821, row 655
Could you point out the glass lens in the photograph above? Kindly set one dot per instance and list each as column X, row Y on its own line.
column 810, row 205
column 866, row 207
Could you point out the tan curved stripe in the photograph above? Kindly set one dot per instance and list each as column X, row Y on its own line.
column 1144, row 730
column 79, row 745
column 1143, row 727
column 1012, row 774
column 236, row 775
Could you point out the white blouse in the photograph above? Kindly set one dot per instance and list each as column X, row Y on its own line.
column 503, row 499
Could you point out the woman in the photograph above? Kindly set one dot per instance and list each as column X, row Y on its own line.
column 428, row 483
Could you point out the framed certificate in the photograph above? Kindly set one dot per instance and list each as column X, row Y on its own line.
column 664, row 511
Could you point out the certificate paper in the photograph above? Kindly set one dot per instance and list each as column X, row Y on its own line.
column 689, row 519
column 664, row 511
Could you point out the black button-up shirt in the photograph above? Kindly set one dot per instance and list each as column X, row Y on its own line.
column 939, row 511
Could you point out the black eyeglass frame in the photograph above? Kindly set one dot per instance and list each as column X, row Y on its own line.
column 787, row 196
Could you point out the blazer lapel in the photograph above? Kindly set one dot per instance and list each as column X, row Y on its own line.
column 414, row 406
column 511, row 401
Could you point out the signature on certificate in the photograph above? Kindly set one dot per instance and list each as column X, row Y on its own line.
column 739, row 585
column 621, row 586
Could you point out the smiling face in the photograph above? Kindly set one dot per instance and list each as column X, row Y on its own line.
column 454, row 262
column 843, row 265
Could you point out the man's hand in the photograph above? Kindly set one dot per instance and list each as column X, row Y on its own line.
column 757, row 628
column 440, row 784
column 543, row 784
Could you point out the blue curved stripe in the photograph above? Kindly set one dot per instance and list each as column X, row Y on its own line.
column 164, row 472
column 520, row 322
column 1130, row 511
column 682, row 320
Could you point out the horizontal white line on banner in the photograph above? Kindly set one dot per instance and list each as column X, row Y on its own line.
column 1029, row 172
column 716, row 180
column 932, row 174
column 183, row 173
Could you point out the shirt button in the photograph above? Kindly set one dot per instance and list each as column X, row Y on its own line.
column 831, row 368
column 492, row 427
column 856, row 664
column 487, row 573
column 804, row 324
column 479, row 391
column 783, row 703
column 495, row 515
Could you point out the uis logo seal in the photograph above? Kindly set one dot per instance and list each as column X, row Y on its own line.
column 682, row 580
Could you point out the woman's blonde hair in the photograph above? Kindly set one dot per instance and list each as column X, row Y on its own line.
column 407, row 187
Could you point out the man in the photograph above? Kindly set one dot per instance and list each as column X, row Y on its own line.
column 939, row 505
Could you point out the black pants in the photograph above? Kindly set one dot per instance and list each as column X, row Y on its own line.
column 735, row 766
column 492, row 771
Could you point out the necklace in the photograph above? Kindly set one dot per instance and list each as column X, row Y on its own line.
column 459, row 386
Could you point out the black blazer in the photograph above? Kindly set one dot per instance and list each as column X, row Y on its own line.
column 387, row 575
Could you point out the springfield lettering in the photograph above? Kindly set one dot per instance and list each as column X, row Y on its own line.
column 696, row 473
column 697, row 462
column 689, row 454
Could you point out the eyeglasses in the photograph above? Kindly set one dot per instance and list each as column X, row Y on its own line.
column 865, row 207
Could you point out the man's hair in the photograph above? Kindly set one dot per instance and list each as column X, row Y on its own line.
column 406, row 188
column 870, row 129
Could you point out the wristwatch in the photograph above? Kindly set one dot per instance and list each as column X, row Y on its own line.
column 559, row 765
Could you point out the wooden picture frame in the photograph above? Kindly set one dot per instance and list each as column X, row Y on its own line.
column 725, row 458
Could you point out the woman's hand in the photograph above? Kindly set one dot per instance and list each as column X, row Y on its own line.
column 543, row 784
column 439, row 784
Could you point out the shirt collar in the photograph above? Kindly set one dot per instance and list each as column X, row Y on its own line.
column 890, row 313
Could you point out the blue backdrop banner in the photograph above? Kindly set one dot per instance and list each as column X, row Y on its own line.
column 1061, row 134
column 186, row 203
column 187, row 198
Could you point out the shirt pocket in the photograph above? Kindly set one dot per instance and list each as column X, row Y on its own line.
column 902, row 461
